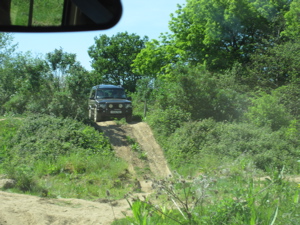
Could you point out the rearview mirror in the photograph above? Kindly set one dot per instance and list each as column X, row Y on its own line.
column 58, row 15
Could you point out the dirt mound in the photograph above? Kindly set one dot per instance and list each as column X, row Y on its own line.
column 142, row 134
column 18, row 209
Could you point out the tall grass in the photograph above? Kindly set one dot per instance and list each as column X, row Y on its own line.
column 219, row 198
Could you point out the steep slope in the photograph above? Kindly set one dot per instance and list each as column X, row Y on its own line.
column 142, row 134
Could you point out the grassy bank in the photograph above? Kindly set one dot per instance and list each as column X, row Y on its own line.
column 56, row 157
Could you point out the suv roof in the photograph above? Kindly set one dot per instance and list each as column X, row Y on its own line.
column 108, row 86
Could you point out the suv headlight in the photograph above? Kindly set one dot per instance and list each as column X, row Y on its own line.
column 128, row 106
column 102, row 105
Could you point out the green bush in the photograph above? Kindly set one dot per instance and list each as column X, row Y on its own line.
column 52, row 156
column 187, row 141
column 289, row 96
column 195, row 142
column 8, row 128
column 201, row 94
column 64, row 105
column 59, row 103
column 267, row 111
column 165, row 122
column 16, row 104
column 42, row 137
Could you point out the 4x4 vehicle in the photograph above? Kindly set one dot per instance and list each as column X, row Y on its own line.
column 109, row 101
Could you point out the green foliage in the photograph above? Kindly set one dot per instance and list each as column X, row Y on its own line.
column 157, row 59
column 220, row 199
column 198, row 93
column 48, row 137
column 8, row 128
column 167, row 121
column 60, row 62
column 137, row 148
column 208, row 144
column 274, row 67
column 142, row 214
column 289, row 96
column 214, row 33
column 72, row 159
column 267, row 111
column 186, row 142
column 292, row 20
column 54, row 86
column 112, row 58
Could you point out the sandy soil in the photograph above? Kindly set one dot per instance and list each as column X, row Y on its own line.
column 18, row 209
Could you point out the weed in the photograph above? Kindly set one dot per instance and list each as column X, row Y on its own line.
column 121, row 121
column 224, row 200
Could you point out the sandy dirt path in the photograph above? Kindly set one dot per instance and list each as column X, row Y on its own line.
column 143, row 135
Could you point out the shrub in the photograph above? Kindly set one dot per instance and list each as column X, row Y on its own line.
column 187, row 141
column 267, row 111
column 195, row 142
column 8, row 128
column 41, row 137
column 289, row 96
column 73, row 159
column 201, row 94
column 165, row 122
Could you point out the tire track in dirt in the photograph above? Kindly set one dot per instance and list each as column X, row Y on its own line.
column 156, row 159
column 143, row 135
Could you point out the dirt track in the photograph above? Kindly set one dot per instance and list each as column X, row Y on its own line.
column 142, row 134
column 18, row 209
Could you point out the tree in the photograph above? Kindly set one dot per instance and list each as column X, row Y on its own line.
column 60, row 63
column 6, row 47
column 158, row 59
column 276, row 66
column 6, row 75
column 215, row 33
column 27, row 81
column 292, row 21
column 112, row 58
column 219, row 32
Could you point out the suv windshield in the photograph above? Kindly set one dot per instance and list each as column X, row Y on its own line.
column 111, row 93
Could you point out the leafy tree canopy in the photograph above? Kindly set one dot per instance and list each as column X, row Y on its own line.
column 292, row 21
column 276, row 66
column 6, row 47
column 219, row 32
column 60, row 61
column 112, row 58
column 215, row 33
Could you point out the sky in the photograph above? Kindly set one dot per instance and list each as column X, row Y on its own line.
column 142, row 17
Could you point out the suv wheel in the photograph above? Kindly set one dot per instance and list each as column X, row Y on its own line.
column 97, row 117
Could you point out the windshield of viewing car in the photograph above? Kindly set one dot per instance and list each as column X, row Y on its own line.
column 111, row 93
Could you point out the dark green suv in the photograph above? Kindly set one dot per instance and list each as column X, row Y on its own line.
column 109, row 101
